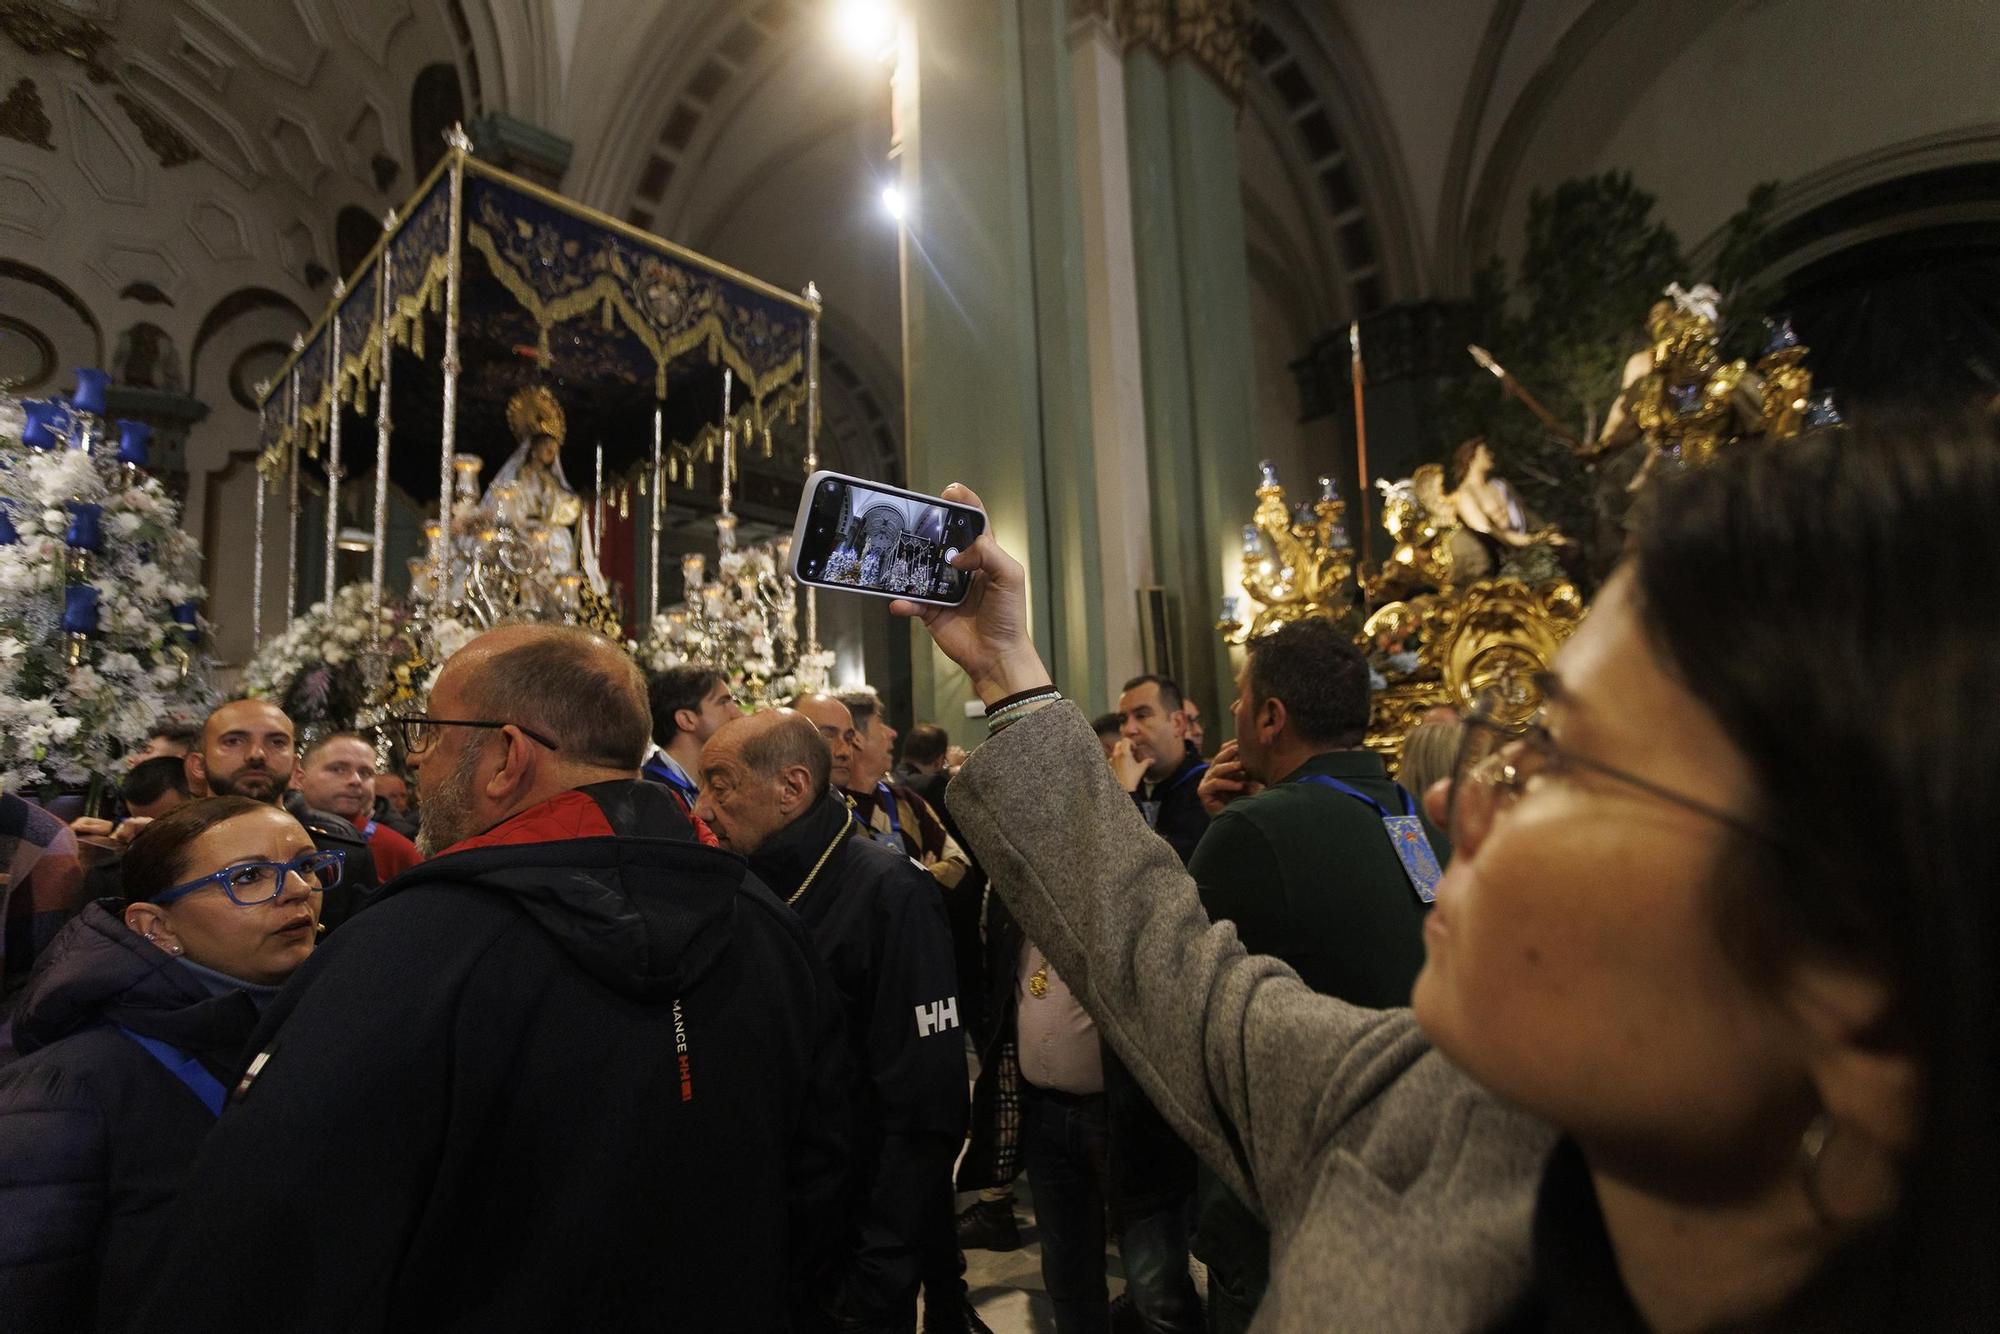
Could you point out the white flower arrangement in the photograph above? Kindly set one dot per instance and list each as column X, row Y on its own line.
column 315, row 668
column 62, row 724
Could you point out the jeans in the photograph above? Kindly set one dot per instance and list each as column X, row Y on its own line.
column 1062, row 1138
column 1154, row 1245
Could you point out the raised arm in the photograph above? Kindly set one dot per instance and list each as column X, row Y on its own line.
column 1251, row 1067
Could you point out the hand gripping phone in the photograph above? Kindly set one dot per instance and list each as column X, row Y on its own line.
column 858, row 536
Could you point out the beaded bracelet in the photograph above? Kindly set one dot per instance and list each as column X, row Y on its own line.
column 1015, row 710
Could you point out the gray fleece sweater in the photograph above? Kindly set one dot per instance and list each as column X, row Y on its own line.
column 1398, row 1192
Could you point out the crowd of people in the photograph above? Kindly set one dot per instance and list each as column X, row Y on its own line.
column 1668, row 1009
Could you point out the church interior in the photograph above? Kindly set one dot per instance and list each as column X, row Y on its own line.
column 434, row 315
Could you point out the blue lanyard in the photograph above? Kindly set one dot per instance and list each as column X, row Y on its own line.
column 888, row 800
column 1407, row 836
column 368, row 831
column 660, row 771
column 1409, row 805
column 182, row 1067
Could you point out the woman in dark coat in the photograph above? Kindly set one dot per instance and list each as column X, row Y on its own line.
column 129, row 1031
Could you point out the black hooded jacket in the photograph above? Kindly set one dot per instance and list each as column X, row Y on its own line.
column 96, row 1136
column 878, row 919
column 577, row 1073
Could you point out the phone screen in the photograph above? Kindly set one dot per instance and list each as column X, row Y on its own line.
column 871, row 538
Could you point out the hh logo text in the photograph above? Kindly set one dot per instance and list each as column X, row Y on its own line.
column 937, row 1016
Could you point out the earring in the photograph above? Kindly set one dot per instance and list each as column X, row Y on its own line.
column 1812, row 1155
column 176, row 951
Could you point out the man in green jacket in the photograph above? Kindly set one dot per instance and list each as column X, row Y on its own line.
column 1302, row 856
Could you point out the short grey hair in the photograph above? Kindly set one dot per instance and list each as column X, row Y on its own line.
column 577, row 687
column 792, row 741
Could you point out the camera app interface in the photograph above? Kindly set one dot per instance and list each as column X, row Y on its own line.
column 886, row 543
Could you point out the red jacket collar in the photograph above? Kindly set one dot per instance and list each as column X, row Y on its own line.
column 567, row 815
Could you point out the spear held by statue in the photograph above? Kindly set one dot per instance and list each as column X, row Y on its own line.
column 1518, row 390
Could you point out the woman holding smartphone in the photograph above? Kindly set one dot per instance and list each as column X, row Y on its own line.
column 131, row 1028
column 1706, row 1033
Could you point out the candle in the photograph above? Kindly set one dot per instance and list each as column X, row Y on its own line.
column 693, row 567
column 86, row 526
column 79, row 610
column 8, row 537
column 90, row 387
column 186, row 616
column 1327, row 489
column 134, row 439
column 1230, row 605
column 38, row 432
column 1268, row 472
column 1253, row 541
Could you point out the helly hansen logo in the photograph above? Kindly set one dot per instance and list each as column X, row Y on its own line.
column 681, row 1053
column 937, row 1016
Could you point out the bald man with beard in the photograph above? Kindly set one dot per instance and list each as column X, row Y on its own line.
column 576, row 1071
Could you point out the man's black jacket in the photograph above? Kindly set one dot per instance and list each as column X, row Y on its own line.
column 878, row 919
column 577, row 1073
column 1180, row 817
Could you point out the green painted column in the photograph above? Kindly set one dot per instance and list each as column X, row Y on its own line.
column 1194, row 316
column 992, row 315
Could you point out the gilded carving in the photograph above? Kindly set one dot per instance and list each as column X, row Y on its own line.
column 1211, row 33
column 23, row 117
column 167, row 143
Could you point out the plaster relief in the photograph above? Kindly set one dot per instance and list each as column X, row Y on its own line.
column 220, row 230
column 26, row 205
column 299, row 152
column 124, row 260
column 214, row 132
column 287, row 39
column 113, row 168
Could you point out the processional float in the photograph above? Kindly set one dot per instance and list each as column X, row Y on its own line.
column 495, row 276
column 1475, row 596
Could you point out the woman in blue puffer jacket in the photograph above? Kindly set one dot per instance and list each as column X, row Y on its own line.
column 129, row 1030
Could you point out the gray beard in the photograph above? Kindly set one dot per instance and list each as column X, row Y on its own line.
column 447, row 812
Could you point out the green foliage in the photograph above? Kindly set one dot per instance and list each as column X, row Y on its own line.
column 1596, row 259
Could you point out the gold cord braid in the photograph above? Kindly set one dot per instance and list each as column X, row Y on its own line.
column 845, row 829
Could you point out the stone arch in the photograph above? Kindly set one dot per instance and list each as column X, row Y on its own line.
column 437, row 102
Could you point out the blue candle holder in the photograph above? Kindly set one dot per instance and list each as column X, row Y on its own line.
column 134, row 443
column 8, row 535
column 91, row 385
column 188, row 617
column 79, row 610
column 86, row 526
column 39, row 430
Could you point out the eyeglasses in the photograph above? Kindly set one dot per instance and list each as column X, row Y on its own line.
column 1498, row 761
column 419, row 733
column 250, row 883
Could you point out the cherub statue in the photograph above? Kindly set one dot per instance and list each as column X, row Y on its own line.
column 1678, row 396
column 1447, row 539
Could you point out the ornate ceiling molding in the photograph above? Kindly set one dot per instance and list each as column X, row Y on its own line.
column 1214, row 34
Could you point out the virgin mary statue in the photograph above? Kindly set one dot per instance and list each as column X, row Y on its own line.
column 538, row 492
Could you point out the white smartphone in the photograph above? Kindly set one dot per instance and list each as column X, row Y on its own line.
column 859, row 536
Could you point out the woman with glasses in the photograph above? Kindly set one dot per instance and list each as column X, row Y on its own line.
column 130, row 1030
column 1705, row 1036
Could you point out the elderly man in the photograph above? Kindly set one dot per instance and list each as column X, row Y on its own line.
column 574, row 1072
column 249, row 748
column 337, row 773
column 894, row 812
column 835, row 724
column 879, row 923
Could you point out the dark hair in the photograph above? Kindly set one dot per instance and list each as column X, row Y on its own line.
column 1315, row 669
column 926, row 744
column 1108, row 724
column 575, row 685
column 1170, row 690
column 791, row 740
column 149, row 780
column 865, row 706
column 677, row 688
column 177, row 732
column 1461, row 458
column 158, row 858
column 1830, row 601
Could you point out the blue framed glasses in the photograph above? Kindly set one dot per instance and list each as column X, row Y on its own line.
column 250, row 883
